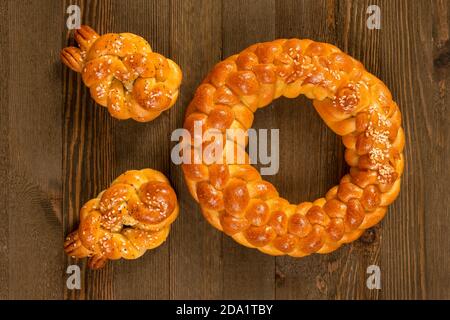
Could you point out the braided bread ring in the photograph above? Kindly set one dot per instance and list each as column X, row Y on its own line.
column 131, row 216
column 123, row 73
column 352, row 102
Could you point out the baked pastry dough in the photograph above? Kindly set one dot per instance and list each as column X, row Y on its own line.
column 124, row 74
column 352, row 102
column 131, row 216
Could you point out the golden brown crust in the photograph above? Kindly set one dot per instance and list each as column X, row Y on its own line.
column 123, row 73
column 131, row 216
column 352, row 102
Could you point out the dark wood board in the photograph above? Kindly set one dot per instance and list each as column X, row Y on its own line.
column 59, row 149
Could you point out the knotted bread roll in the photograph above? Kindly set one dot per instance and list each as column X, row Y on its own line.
column 124, row 74
column 131, row 216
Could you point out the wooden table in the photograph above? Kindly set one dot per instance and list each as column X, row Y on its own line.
column 59, row 149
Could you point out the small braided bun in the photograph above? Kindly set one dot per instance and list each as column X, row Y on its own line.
column 123, row 73
column 352, row 102
column 131, row 216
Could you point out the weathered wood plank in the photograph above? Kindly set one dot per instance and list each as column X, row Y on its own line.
column 88, row 154
column 319, row 159
column 435, row 157
column 4, row 150
column 342, row 274
column 33, row 121
column 138, row 145
column 404, row 64
column 196, row 269
column 247, row 273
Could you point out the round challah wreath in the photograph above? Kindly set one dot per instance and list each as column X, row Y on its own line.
column 124, row 74
column 130, row 217
column 352, row 102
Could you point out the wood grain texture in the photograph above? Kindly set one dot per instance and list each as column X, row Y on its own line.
column 33, row 140
column 196, row 266
column 242, row 280
column 88, row 155
column 405, row 68
column 435, row 158
column 151, row 274
column 311, row 174
column 4, row 154
column 59, row 149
